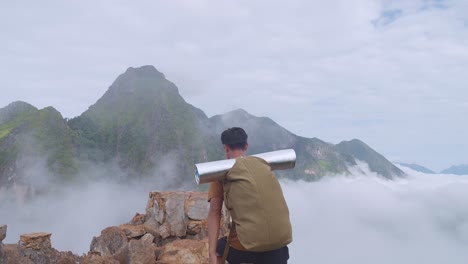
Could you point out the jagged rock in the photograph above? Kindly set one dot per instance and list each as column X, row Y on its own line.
column 3, row 231
column 197, row 207
column 175, row 211
column 112, row 239
column 156, row 207
column 184, row 251
column 15, row 255
column 168, row 221
column 157, row 251
column 170, row 232
column 148, row 238
column 3, row 258
column 138, row 219
column 36, row 241
column 169, row 208
column 96, row 258
column 164, row 231
column 194, row 227
column 198, row 229
column 152, row 226
column 133, row 231
column 136, row 252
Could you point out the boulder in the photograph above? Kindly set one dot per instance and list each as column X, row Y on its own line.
column 111, row 240
column 3, row 258
column 96, row 258
column 164, row 230
column 156, row 207
column 36, row 248
column 175, row 213
column 148, row 238
column 138, row 219
column 3, row 231
column 133, row 231
column 197, row 229
column 141, row 252
column 15, row 255
column 151, row 226
column 36, row 241
column 197, row 206
column 136, row 252
column 184, row 251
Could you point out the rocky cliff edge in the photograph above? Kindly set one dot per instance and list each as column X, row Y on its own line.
column 173, row 230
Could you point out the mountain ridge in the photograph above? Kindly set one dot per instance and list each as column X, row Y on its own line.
column 416, row 167
column 143, row 122
column 461, row 169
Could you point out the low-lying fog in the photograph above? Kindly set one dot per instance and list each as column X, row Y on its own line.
column 359, row 219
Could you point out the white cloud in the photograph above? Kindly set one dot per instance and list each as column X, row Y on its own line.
column 422, row 219
column 357, row 219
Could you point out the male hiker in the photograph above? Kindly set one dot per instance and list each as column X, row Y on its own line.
column 261, row 228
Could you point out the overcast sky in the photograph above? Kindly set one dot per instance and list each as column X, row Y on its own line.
column 391, row 73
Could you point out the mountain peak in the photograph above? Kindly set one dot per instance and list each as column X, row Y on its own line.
column 239, row 111
column 143, row 81
column 145, row 71
column 461, row 169
column 14, row 109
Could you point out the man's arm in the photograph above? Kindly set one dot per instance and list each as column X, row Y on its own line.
column 214, row 218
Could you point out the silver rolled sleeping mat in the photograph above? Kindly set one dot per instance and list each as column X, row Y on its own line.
column 214, row 170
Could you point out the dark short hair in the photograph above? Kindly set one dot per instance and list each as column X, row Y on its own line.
column 234, row 137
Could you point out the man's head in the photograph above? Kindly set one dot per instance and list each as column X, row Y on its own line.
column 234, row 140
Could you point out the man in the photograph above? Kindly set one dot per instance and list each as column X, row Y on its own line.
column 235, row 145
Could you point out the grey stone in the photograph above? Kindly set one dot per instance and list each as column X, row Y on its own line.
column 152, row 226
column 2, row 254
column 156, row 211
column 175, row 211
column 198, row 208
column 147, row 238
column 3, row 231
column 111, row 240
column 141, row 252
column 164, row 231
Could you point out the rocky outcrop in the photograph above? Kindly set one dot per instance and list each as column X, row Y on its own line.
column 35, row 248
column 185, row 251
column 173, row 230
column 3, row 230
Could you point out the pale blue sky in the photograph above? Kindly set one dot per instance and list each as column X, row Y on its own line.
column 391, row 73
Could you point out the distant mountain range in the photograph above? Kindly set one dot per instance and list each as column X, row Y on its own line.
column 416, row 167
column 143, row 125
column 457, row 169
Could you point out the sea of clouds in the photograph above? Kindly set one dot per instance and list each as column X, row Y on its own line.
column 362, row 218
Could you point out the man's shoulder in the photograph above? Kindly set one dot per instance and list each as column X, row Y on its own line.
column 215, row 190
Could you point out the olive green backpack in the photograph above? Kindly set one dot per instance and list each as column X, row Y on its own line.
column 258, row 209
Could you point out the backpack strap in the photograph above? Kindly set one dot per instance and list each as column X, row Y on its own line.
column 228, row 242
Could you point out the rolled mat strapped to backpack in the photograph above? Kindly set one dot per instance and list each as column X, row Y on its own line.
column 254, row 197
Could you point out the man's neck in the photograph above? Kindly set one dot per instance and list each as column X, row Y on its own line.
column 236, row 154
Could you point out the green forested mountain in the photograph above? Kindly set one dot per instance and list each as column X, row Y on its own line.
column 30, row 138
column 315, row 158
column 142, row 121
column 143, row 124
